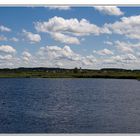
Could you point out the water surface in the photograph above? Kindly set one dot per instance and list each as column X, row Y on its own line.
column 69, row 106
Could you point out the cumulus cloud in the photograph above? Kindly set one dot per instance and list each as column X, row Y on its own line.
column 9, row 61
column 73, row 26
column 127, row 47
column 121, row 61
column 59, row 7
column 59, row 64
column 58, row 26
column 65, row 38
column 56, row 52
column 26, row 56
column 33, row 38
column 124, row 47
column 109, row 10
column 108, row 43
column 3, row 38
column 7, row 49
column 55, row 56
column 14, row 39
column 88, row 60
column 125, row 58
column 6, row 57
column 129, row 57
column 64, row 55
column 104, row 52
column 128, row 26
column 4, row 29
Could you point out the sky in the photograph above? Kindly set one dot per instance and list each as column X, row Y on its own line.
column 67, row 37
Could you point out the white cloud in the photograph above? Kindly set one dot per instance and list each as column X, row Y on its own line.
column 33, row 38
column 65, row 38
column 7, row 49
column 68, row 28
column 127, row 58
column 73, row 26
column 6, row 57
column 14, row 39
column 104, row 52
column 109, row 10
column 9, row 61
column 120, row 61
column 123, row 47
column 54, row 56
column 128, row 26
column 108, row 43
column 59, row 7
column 3, row 38
column 4, row 29
column 55, row 52
column 65, row 55
column 26, row 56
column 59, row 64
column 88, row 60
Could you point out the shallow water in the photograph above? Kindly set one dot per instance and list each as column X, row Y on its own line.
column 69, row 106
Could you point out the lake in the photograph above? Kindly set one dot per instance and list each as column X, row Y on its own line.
column 69, row 105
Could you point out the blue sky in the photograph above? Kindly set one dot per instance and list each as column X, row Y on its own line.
column 68, row 37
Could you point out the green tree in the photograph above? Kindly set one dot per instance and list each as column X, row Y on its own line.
column 75, row 70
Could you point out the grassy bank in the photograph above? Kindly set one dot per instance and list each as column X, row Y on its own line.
column 69, row 73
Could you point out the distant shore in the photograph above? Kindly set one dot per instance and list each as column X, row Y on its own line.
column 69, row 73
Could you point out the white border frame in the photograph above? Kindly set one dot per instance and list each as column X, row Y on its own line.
column 69, row 2
column 40, row 3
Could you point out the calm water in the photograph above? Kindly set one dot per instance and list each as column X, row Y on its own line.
column 69, row 106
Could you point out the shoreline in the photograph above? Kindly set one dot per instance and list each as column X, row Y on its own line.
column 69, row 73
column 22, row 77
